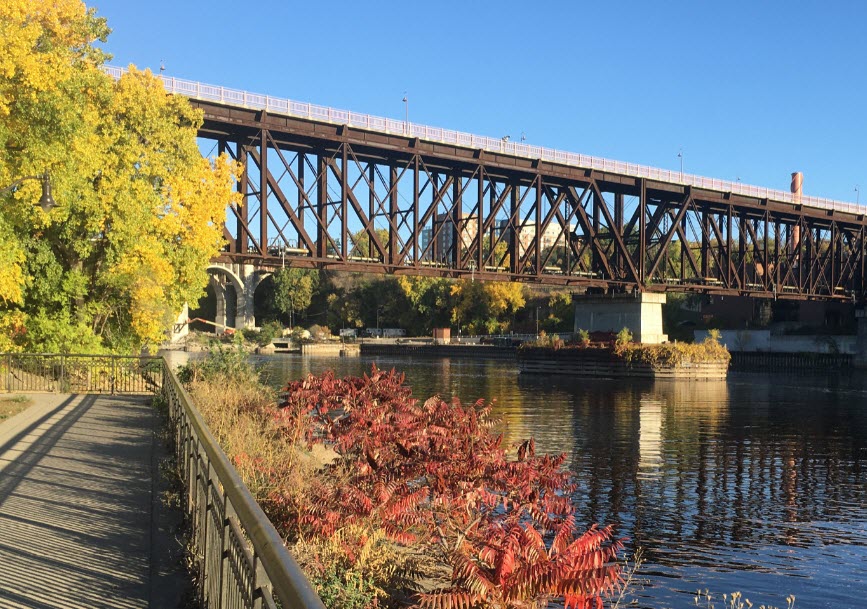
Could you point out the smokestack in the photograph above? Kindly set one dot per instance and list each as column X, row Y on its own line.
column 796, row 189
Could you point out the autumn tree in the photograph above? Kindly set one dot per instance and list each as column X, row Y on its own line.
column 486, row 307
column 430, row 299
column 293, row 290
column 140, row 209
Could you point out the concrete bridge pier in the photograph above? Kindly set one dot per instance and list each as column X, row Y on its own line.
column 236, row 312
column 640, row 312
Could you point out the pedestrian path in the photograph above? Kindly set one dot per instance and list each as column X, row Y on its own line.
column 81, row 524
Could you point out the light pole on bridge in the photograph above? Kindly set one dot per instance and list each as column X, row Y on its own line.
column 405, row 114
column 680, row 156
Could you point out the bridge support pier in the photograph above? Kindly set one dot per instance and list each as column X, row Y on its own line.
column 180, row 328
column 222, row 317
column 234, row 287
column 641, row 313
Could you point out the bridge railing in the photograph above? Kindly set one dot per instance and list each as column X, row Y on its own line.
column 223, row 95
column 241, row 559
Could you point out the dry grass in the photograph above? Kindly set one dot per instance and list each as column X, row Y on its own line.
column 10, row 406
column 238, row 415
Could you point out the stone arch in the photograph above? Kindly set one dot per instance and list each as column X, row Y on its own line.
column 261, row 278
column 230, row 294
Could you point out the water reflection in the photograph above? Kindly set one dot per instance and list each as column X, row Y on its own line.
column 649, row 436
column 755, row 484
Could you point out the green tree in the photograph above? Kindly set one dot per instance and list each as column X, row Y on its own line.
column 430, row 303
column 362, row 246
column 293, row 290
column 561, row 313
column 140, row 210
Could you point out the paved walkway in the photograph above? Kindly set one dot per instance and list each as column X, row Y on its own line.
column 81, row 524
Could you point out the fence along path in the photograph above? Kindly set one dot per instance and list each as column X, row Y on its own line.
column 81, row 521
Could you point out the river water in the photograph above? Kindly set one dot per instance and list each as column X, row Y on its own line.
column 756, row 484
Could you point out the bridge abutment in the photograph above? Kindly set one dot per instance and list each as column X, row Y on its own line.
column 641, row 313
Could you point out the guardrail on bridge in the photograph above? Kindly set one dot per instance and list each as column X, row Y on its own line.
column 306, row 110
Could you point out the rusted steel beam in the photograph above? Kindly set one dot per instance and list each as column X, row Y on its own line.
column 449, row 211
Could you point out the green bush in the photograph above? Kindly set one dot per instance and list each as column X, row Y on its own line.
column 623, row 338
column 230, row 361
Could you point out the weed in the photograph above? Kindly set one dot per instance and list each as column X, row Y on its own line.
column 10, row 406
column 735, row 600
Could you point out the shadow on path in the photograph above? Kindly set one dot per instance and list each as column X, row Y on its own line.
column 77, row 507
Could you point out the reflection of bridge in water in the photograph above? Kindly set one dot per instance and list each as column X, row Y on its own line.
column 326, row 188
column 704, row 464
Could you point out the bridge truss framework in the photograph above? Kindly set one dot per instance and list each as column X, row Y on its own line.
column 324, row 195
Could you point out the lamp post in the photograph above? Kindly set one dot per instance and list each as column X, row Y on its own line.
column 680, row 156
column 537, row 323
column 405, row 113
column 378, row 311
column 46, row 201
column 857, row 195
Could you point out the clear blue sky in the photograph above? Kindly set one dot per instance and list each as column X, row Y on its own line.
column 747, row 89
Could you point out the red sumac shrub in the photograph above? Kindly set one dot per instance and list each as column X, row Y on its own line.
column 433, row 473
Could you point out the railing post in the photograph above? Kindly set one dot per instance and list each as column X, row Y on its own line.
column 62, row 373
column 224, row 533
column 113, row 372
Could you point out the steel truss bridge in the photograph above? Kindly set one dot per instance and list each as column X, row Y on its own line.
column 326, row 188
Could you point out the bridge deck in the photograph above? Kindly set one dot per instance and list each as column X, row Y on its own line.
column 81, row 524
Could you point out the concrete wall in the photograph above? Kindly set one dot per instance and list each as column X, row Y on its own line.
column 763, row 340
column 641, row 313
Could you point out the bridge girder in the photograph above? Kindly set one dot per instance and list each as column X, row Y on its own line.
column 320, row 195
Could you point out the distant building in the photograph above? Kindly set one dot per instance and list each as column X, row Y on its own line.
column 552, row 236
column 445, row 230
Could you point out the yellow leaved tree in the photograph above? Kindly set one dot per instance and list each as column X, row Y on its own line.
column 141, row 210
column 486, row 307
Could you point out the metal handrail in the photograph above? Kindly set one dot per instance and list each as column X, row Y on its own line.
column 79, row 373
column 217, row 495
column 240, row 555
column 305, row 110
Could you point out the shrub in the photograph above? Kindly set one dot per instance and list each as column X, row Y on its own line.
column 319, row 332
column 583, row 337
column 545, row 340
column 669, row 355
column 356, row 566
column 433, row 475
column 229, row 361
column 623, row 338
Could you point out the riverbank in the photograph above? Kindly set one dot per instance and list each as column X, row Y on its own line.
column 431, row 350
